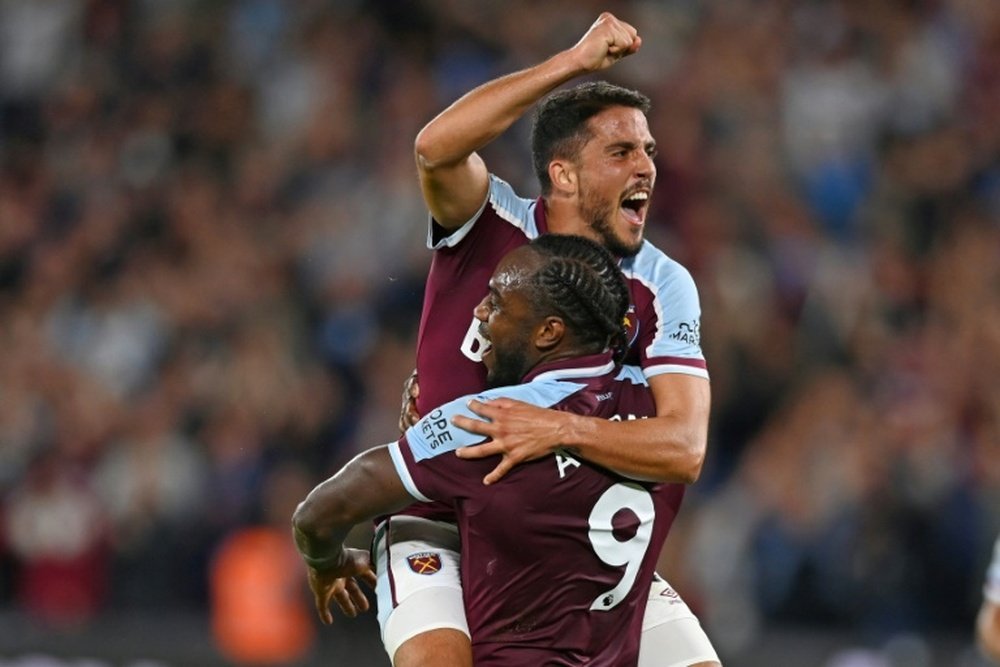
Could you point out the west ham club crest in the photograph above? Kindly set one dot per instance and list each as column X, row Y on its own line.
column 424, row 563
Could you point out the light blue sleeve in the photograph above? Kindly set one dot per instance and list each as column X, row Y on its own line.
column 435, row 434
column 632, row 374
column 507, row 204
column 670, row 336
column 403, row 470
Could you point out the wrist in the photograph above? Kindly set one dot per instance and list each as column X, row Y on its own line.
column 322, row 563
column 568, row 430
column 581, row 432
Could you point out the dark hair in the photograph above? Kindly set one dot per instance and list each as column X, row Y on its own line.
column 560, row 125
column 581, row 282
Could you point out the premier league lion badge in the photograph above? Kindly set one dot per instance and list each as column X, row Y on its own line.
column 424, row 563
column 631, row 324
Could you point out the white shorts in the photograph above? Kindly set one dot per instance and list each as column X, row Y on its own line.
column 419, row 584
column 671, row 633
column 419, row 589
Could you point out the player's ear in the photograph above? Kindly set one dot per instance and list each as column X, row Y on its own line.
column 550, row 333
column 564, row 178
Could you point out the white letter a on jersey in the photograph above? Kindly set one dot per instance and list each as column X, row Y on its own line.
column 564, row 461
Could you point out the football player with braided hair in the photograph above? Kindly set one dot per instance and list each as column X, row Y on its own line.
column 585, row 288
column 558, row 557
column 594, row 157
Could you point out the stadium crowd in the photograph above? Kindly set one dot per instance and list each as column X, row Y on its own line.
column 212, row 260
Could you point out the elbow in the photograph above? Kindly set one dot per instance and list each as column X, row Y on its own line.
column 683, row 464
column 341, row 501
column 690, row 470
column 425, row 151
column 433, row 151
column 323, row 512
column 693, row 459
column 307, row 519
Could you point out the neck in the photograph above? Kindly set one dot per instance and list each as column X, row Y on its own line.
column 561, row 353
column 563, row 217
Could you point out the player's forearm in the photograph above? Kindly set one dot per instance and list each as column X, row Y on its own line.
column 363, row 489
column 319, row 550
column 661, row 449
column 486, row 112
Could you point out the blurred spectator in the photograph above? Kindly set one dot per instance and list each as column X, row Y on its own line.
column 261, row 611
column 211, row 263
column 152, row 482
column 57, row 532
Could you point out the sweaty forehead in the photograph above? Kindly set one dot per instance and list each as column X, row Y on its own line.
column 515, row 268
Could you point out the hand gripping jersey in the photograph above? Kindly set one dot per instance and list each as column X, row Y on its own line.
column 558, row 557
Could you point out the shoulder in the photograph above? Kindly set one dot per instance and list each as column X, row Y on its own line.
column 436, row 434
column 503, row 211
column 664, row 276
column 541, row 392
column 654, row 266
column 512, row 207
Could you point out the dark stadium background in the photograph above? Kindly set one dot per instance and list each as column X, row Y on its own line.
column 211, row 262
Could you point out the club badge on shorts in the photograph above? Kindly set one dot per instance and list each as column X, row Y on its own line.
column 426, row 562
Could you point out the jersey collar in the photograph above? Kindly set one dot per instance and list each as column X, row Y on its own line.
column 591, row 365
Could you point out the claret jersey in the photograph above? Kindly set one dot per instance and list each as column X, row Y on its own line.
column 663, row 321
column 557, row 557
column 663, row 318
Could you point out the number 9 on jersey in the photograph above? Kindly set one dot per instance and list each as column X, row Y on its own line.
column 609, row 549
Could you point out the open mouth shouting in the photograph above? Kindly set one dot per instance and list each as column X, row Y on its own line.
column 634, row 206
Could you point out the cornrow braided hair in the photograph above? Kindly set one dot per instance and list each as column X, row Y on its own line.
column 581, row 282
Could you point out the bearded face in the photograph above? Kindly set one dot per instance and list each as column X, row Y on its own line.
column 506, row 361
column 508, row 320
column 616, row 174
column 600, row 214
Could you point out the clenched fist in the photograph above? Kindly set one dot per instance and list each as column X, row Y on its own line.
column 607, row 41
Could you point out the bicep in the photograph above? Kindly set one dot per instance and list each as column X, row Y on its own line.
column 364, row 488
column 379, row 485
column 454, row 193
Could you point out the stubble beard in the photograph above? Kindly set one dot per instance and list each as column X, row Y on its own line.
column 510, row 365
column 598, row 215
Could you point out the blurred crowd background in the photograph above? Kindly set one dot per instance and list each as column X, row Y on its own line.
column 212, row 260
